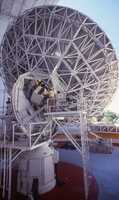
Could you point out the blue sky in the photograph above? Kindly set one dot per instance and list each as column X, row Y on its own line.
column 104, row 12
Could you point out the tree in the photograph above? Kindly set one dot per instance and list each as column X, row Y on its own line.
column 110, row 117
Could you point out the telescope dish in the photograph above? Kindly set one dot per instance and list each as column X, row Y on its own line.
column 67, row 49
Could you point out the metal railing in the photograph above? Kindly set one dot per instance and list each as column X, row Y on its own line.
column 104, row 128
column 60, row 105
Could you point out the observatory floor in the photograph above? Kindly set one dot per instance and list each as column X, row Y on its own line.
column 105, row 167
column 73, row 188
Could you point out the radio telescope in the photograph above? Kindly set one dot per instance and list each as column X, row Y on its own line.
column 52, row 50
column 67, row 49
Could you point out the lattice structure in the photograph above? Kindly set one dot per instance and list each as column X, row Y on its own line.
column 66, row 47
column 72, row 55
column 83, row 147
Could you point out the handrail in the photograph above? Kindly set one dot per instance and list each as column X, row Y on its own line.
column 104, row 129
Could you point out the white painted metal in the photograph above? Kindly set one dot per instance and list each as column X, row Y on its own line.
column 82, row 148
column 4, row 173
column 37, row 163
column 71, row 53
column 10, row 173
column 11, row 9
column 84, row 142
column 12, row 147
column 67, row 46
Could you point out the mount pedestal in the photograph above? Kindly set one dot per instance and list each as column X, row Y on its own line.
column 39, row 165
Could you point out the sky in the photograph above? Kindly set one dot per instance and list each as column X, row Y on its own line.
column 106, row 14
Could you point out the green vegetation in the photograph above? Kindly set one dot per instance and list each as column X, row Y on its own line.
column 111, row 117
column 106, row 117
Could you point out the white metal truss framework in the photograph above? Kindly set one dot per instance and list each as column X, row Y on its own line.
column 67, row 45
column 70, row 52
column 83, row 147
column 18, row 142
